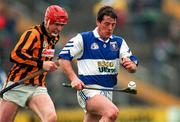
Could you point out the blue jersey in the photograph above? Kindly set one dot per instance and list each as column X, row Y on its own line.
column 98, row 61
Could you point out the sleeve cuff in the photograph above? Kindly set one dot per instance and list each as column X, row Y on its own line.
column 134, row 59
column 65, row 57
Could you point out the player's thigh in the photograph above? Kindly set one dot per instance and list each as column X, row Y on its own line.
column 42, row 105
column 100, row 105
column 8, row 110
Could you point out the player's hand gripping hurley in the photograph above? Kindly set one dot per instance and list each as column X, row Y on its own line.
column 126, row 90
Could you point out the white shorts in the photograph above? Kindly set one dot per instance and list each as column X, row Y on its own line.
column 21, row 94
column 86, row 94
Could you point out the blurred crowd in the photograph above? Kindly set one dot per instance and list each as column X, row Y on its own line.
column 8, row 34
column 152, row 33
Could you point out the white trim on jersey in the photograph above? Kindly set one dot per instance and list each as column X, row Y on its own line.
column 77, row 44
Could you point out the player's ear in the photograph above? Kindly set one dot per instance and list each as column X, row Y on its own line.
column 97, row 22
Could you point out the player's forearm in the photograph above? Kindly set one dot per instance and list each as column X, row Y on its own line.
column 66, row 67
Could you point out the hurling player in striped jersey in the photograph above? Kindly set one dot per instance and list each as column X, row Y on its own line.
column 34, row 51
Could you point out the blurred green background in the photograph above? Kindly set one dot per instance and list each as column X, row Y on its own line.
column 151, row 28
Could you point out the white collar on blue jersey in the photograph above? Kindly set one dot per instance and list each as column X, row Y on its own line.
column 98, row 36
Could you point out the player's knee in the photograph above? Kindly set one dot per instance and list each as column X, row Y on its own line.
column 112, row 113
column 51, row 117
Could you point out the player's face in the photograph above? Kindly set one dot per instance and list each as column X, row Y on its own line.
column 106, row 27
column 55, row 28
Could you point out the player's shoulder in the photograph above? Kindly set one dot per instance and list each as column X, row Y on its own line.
column 86, row 33
column 34, row 30
column 117, row 38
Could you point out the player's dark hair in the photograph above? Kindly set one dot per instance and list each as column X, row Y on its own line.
column 108, row 11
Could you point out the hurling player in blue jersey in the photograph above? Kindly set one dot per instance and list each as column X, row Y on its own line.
column 99, row 54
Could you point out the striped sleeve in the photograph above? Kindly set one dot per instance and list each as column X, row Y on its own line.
column 73, row 49
column 22, row 53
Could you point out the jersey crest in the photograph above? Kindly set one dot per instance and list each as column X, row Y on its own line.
column 94, row 46
column 114, row 46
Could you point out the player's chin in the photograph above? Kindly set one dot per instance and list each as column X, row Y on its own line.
column 56, row 32
column 108, row 35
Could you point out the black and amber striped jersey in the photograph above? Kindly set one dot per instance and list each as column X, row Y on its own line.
column 33, row 47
